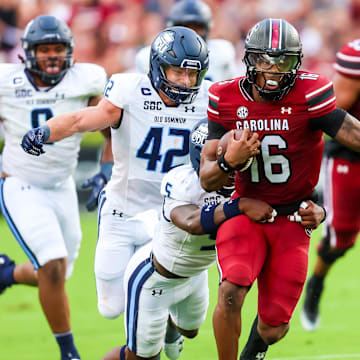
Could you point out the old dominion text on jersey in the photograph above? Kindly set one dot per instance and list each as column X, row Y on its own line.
column 169, row 119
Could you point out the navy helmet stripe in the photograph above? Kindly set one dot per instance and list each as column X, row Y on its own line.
column 14, row 228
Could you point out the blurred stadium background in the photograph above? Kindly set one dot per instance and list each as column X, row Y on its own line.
column 109, row 33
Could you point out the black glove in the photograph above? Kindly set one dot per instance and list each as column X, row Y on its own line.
column 97, row 182
column 33, row 141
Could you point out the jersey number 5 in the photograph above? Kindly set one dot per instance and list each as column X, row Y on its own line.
column 151, row 147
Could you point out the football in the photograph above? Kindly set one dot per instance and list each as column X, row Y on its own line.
column 222, row 146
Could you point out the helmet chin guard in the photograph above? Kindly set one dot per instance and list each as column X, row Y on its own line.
column 273, row 42
column 46, row 29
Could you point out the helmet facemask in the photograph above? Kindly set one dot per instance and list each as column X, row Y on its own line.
column 32, row 63
column 273, row 50
column 260, row 63
column 177, row 93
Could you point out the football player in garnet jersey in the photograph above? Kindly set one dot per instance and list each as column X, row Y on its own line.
column 342, row 191
column 38, row 197
column 287, row 110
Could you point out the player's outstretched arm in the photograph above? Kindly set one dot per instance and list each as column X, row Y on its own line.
column 206, row 220
column 92, row 118
column 349, row 133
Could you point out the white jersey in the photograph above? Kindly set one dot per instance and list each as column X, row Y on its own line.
column 23, row 107
column 221, row 60
column 152, row 138
column 178, row 251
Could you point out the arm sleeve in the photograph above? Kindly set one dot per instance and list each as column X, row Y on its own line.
column 329, row 123
column 215, row 130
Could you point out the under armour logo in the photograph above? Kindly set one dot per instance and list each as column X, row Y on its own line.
column 117, row 213
column 188, row 108
column 342, row 169
column 157, row 292
column 286, row 110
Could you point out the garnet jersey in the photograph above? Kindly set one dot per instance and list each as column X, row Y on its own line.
column 23, row 107
column 348, row 64
column 287, row 168
column 151, row 139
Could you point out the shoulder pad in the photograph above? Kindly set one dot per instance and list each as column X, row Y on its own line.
column 182, row 183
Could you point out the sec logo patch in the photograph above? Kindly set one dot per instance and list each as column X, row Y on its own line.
column 242, row 112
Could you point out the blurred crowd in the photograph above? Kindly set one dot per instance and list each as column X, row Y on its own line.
column 110, row 32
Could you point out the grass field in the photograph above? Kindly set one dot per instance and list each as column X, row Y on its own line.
column 25, row 335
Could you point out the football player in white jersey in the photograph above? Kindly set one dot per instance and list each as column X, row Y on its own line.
column 196, row 15
column 37, row 196
column 151, row 117
column 168, row 277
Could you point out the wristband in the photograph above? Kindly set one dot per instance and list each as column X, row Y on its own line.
column 247, row 164
column 324, row 215
column 223, row 165
column 46, row 132
column 231, row 208
column 106, row 169
column 207, row 219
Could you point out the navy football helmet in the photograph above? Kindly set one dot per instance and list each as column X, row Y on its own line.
column 182, row 47
column 198, row 137
column 46, row 29
column 190, row 12
column 273, row 42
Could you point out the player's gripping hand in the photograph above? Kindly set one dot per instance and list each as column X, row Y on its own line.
column 97, row 182
column 33, row 141
column 310, row 215
column 257, row 210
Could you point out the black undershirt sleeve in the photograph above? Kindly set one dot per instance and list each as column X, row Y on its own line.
column 329, row 123
column 215, row 130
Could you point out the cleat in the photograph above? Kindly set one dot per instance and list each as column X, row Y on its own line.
column 174, row 349
column 309, row 316
column 309, row 321
column 6, row 266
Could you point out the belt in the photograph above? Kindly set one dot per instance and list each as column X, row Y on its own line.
column 288, row 209
column 162, row 271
